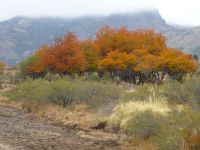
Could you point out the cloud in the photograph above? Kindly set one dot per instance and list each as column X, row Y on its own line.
column 177, row 11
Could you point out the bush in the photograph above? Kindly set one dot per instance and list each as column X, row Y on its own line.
column 166, row 127
column 144, row 93
column 50, row 76
column 145, row 124
column 180, row 130
column 31, row 91
column 141, row 120
column 123, row 113
column 94, row 77
column 186, row 92
column 65, row 91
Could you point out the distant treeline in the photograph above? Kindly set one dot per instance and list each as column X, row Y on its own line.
column 136, row 56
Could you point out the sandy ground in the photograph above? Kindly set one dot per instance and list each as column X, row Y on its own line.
column 23, row 131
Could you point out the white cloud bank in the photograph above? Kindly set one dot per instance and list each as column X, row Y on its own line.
column 185, row 12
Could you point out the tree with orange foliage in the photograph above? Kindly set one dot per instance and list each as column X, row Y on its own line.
column 109, row 39
column 153, row 57
column 145, row 45
column 153, row 42
column 104, row 39
column 91, row 53
column 65, row 56
column 40, row 66
column 177, row 63
column 116, row 63
column 138, row 56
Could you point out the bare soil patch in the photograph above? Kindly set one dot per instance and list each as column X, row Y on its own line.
column 23, row 131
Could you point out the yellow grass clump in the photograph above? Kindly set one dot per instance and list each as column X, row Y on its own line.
column 123, row 112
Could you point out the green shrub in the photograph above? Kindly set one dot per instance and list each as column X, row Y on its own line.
column 124, row 113
column 180, row 124
column 33, row 92
column 65, row 91
column 50, row 76
column 167, row 127
column 187, row 92
column 94, row 77
column 145, row 124
column 144, row 93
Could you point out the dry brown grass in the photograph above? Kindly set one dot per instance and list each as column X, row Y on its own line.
column 79, row 116
column 142, row 145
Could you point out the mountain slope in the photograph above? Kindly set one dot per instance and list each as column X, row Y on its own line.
column 21, row 36
column 188, row 40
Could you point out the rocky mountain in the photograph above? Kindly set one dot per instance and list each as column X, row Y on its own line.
column 21, row 36
column 187, row 40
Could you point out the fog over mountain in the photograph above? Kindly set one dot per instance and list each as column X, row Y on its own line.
column 21, row 36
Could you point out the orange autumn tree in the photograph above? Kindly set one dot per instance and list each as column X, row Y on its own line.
column 176, row 63
column 109, row 39
column 91, row 54
column 104, row 39
column 39, row 66
column 65, row 56
column 147, row 47
column 116, row 62
column 153, row 42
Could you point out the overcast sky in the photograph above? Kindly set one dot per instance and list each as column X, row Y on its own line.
column 184, row 12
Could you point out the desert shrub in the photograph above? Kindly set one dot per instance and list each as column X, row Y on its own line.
column 50, row 76
column 31, row 91
column 190, row 121
column 90, row 92
column 61, row 92
column 157, row 122
column 175, row 91
column 65, row 91
column 180, row 131
column 123, row 113
column 186, row 92
column 94, row 77
column 140, row 120
column 145, row 124
column 144, row 93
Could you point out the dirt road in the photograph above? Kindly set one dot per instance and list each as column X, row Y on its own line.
column 23, row 131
